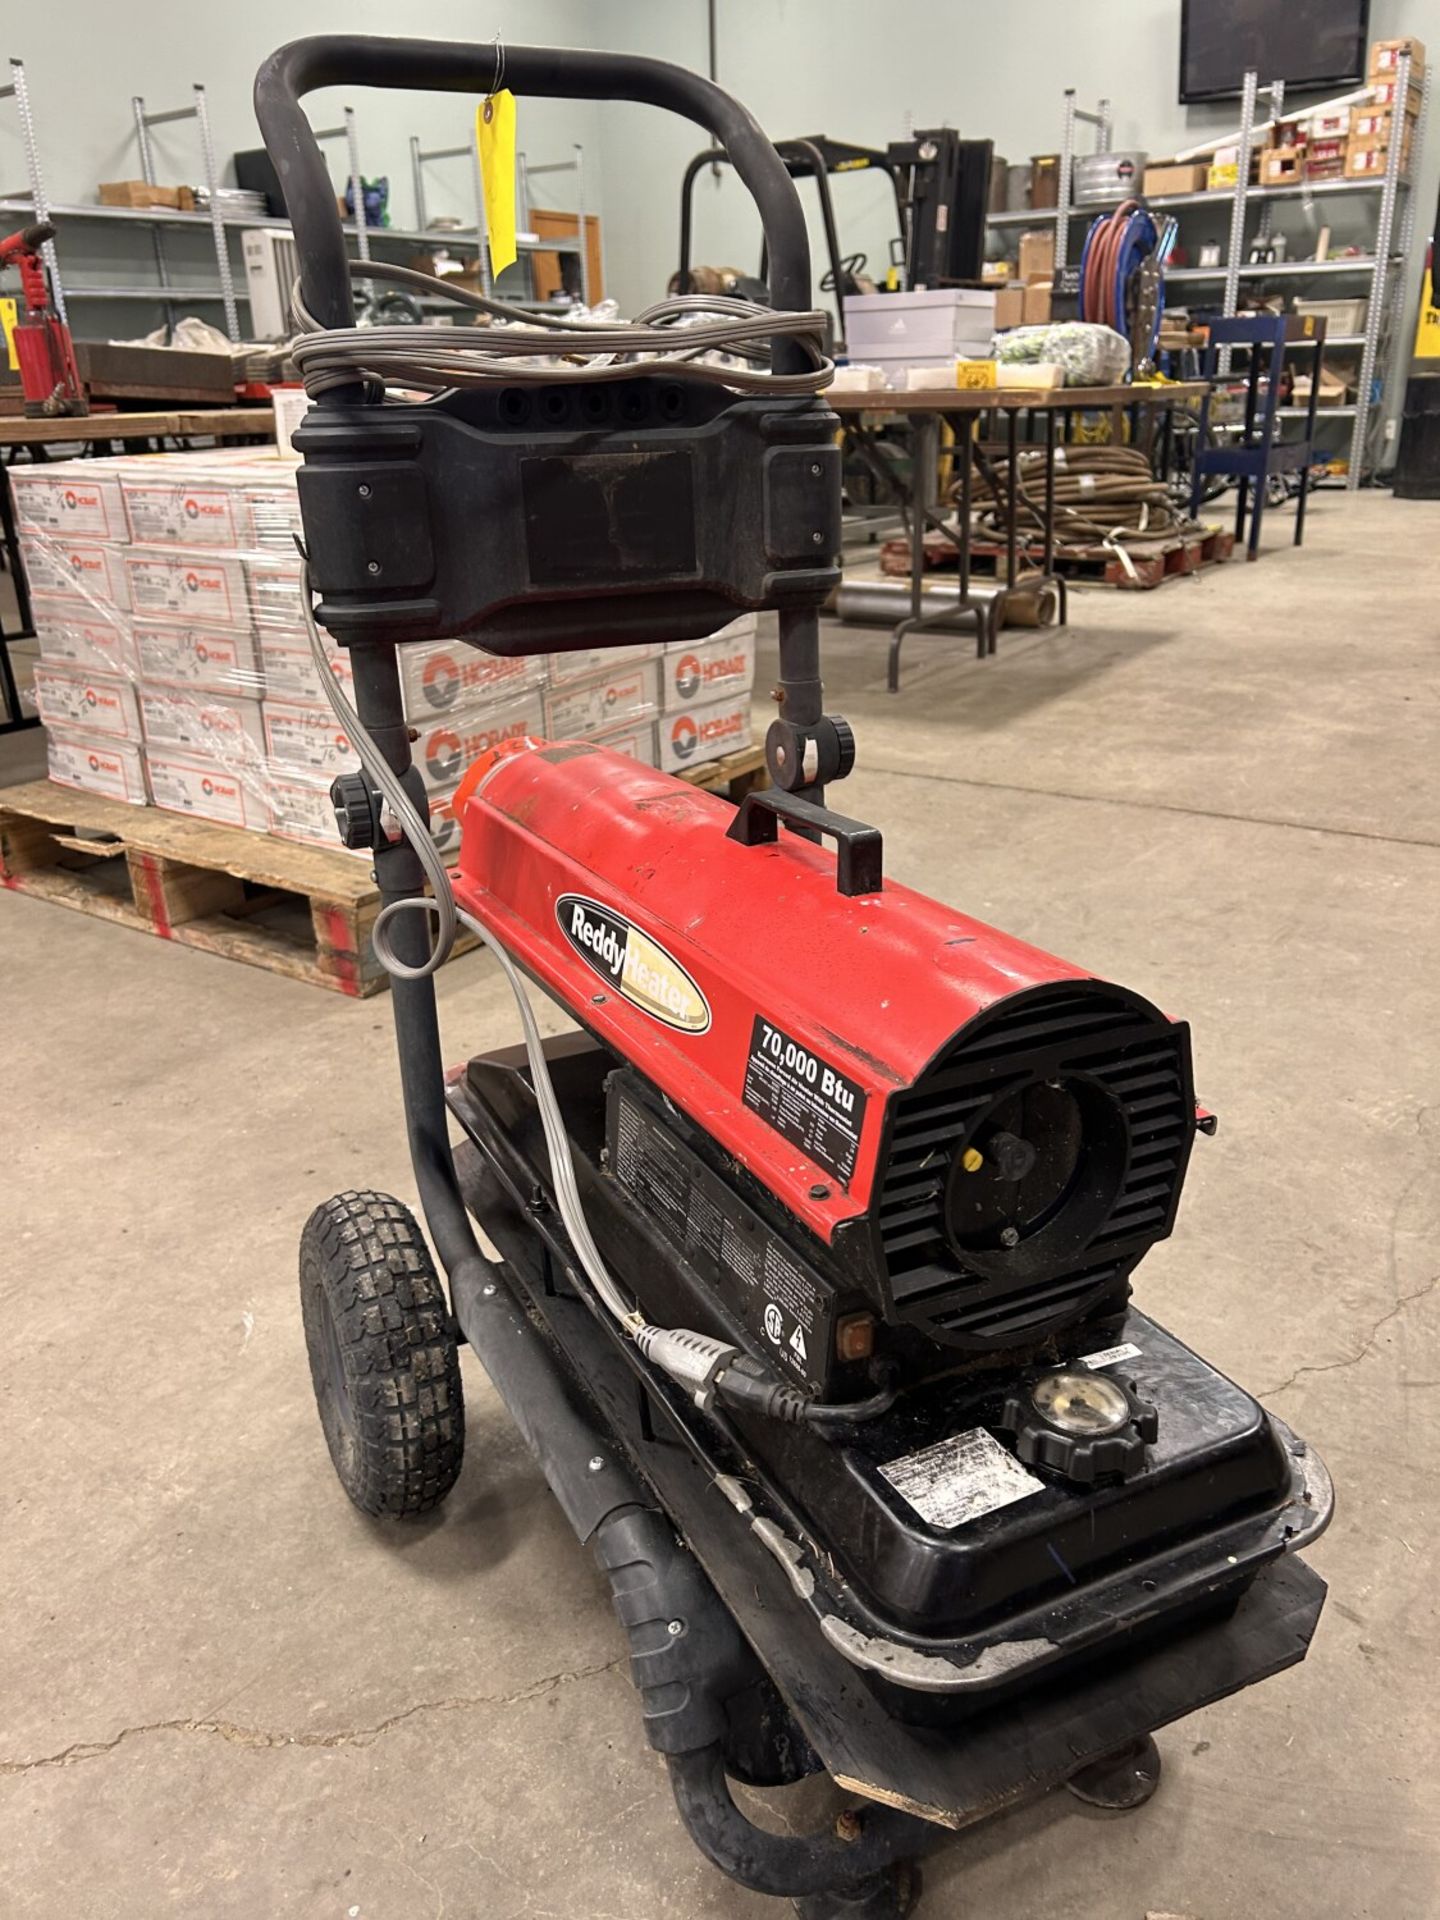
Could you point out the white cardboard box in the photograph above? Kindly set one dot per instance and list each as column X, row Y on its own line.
column 209, row 658
column 114, row 768
column 447, row 746
column 73, row 633
column 713, row 669
column 57, row 499
column 199, row 509
column 939, row 322
column 198, row 725
column 88, row 570
column 600, row 705
column 307, row 740
column 301, row 810
column 290, row 673
column 636, row 741
column 90, row 704
column 587, row 662
column 744, row 626
column 444, row 676
column 275, row 600
column 707, row 732
column 182, row 583
column 206, row 791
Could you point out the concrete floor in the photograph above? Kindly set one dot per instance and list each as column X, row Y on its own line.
column 227, row 1694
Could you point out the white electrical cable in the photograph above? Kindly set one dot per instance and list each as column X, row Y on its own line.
column 450, row 918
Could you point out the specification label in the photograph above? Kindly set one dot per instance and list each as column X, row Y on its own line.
column 805, row 1098
column 785, row 1305
column 960, row 1478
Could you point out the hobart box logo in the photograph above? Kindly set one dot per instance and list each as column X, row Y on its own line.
column 637, row 967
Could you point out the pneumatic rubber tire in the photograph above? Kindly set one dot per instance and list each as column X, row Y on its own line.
column 383, row 1355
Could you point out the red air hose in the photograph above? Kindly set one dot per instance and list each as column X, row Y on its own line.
column 1097, row 296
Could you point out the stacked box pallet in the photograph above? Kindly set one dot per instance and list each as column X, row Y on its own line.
column 176, row 668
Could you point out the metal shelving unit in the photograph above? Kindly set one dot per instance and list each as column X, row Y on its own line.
column 1393, row 235
column 165, row 291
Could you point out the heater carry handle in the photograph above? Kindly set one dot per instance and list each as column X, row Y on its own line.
column 350, row 60
column 859, row 849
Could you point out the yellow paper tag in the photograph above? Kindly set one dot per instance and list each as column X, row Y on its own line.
column 9, row 319
column 495, row 139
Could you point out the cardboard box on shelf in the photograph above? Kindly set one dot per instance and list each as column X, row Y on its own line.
column 1325, row 159
column 1174, row 177
column 1386, row 93
column 57, row 500
column 596, row 706
column 71, row 633
column 1039, row 300
column 1340, row 316
column 1037, row 254
column 205, row 791
column 447, row 746
column 306, row 739
column 1334, row 389
column 442, row 676
column 1222, row 173
column 90, row 704
column 1366, row 162
column 1044, row 181
column 1386, row 55
column 210, row 659
column 704, row 732
column 712, row 669
column 1009, row 308
column 88, row 572
column 114, row 768
column 196, row 724
column 1329, row 124
column 1282, row 166
column 185, row 583
column 143, row 193
column 1375, row 125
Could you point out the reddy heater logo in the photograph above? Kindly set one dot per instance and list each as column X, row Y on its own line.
column 631, row 962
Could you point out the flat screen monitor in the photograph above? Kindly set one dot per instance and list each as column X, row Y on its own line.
column 1309, row 44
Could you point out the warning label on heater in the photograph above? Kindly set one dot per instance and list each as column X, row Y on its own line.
column 805, row 1098
column 960, row 1478
column 725, row 1241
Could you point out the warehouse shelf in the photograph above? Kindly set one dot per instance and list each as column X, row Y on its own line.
column 1292, row 268
column 169, row 217
column 175, row 295
column 1389, row 217
column 1206, row 197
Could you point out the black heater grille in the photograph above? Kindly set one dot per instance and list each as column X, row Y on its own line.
column 1083, row 1033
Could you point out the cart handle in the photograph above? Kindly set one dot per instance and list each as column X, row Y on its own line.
column 346, row 60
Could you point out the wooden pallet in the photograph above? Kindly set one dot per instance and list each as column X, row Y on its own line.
column 302, row 911
column 1153, row 561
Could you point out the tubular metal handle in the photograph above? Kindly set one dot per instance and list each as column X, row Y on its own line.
column 330, row 60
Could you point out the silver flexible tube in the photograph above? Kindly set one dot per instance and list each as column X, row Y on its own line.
column 450, row 918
